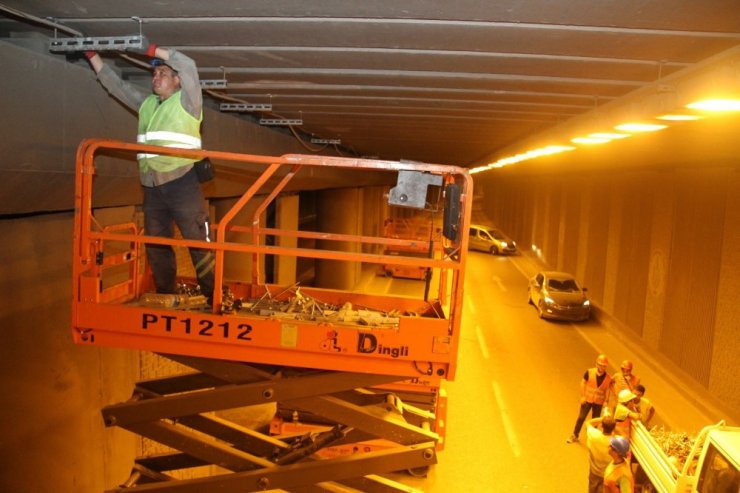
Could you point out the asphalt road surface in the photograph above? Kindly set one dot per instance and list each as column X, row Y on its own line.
column 515, row 397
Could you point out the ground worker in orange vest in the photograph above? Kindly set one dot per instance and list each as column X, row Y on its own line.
column 595, row 387
column 624, row 379
column 626, row 412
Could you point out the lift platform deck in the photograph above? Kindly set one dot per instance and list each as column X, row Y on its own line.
column 339, row 355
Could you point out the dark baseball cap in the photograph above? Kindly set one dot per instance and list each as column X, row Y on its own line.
column 156, row 62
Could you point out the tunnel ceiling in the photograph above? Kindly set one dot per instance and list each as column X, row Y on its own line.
column 437, row 81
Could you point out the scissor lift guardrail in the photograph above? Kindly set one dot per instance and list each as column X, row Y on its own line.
column 403, row 341
column 427, row 240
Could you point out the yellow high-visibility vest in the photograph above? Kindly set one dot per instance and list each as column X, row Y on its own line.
column 169, row 125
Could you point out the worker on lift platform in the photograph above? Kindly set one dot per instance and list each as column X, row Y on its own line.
column 170, row 116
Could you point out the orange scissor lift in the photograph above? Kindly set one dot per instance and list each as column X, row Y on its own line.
column 427, row 243
column 371, row 377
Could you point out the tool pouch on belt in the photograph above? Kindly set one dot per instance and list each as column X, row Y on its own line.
column 204, row 170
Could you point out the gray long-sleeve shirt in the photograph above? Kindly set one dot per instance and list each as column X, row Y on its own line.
column 132, row 95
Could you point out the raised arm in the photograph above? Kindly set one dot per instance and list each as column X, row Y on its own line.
column 130, row 95
column 192, row 96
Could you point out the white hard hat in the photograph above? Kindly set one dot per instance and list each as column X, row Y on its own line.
column 626, row 395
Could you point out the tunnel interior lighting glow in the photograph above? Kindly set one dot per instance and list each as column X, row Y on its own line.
column 589, row 140
column 608, row 135
column 640, row 127
column 623, row 130
column 554, row 149
column 716, row 105
column 679, row 117
column 524, row 156
column 536, row 250
column 547, row 150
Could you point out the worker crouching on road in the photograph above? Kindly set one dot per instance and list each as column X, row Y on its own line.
column 618, row 474
column 594, row 391
column 170, row 116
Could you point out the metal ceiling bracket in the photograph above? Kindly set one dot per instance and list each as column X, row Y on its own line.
column 411, row 188
column 327, row 141
column 108, row 43
column 280, row 121
column 213, row 83
column 140, row 21
column 245, row 107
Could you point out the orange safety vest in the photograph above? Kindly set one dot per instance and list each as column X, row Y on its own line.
column 621, row 383
column 596, row 394
column 613, row 473
column 624, row 428
column 624, row 423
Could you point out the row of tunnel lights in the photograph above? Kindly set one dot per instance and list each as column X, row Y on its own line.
column 700, row 109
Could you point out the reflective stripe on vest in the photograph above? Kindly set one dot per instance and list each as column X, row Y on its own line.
column 183, row 141
column 168, row 125
column 613, row 473
column 596, row 394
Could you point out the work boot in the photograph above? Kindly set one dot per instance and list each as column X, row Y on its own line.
column 572, row 439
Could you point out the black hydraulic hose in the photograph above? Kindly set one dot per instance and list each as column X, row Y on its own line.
column 310, row 445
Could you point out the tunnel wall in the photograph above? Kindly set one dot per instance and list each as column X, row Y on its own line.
column 54, row 438
column 657, row 250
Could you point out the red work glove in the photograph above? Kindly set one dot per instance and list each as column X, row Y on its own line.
column 146, row 48
column 150, row 50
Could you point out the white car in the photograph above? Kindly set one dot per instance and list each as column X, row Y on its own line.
column 491, row 240
column 558, row 296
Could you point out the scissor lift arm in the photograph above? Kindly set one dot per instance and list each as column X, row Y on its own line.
column 173, row 411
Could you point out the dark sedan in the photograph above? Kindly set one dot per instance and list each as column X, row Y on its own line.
column 558, row 296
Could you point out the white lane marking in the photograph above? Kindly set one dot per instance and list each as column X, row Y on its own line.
column 500, row 283
column 471, row 305
column 481, row 341
column 508, row 428
column 520, row 269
